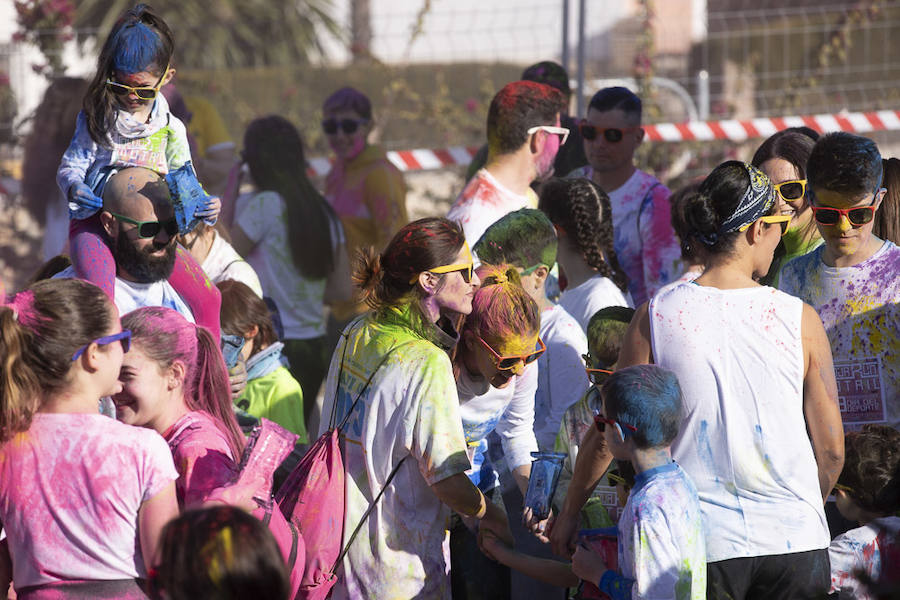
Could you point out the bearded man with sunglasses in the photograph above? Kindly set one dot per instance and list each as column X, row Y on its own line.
column 139, row 220
column 523, row 138
column 853, row 279
column 644, row 240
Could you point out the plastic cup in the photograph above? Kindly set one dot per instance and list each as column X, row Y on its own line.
column 545, row 468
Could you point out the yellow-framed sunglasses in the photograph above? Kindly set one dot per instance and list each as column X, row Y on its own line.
column 144, row 92
column 791, row 190
column 783, row 220
column 465, row 268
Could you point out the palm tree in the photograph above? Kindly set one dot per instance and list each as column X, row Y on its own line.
column 230, row 33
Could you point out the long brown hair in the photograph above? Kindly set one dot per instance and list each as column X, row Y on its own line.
column 242, row 310
column 40, row 329
column 887, row 217
column 165, row 337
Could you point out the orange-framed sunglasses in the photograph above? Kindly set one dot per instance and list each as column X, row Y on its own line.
column 505, row 363
column 595, row 375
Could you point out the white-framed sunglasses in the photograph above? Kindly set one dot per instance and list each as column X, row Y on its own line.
column 562, row 131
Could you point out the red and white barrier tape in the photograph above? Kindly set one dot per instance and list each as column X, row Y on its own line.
column 729, row 129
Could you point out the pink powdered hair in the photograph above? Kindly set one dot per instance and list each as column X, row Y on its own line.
column 165, row 336
column 501, row 308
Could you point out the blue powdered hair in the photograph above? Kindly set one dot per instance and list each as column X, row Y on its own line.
column 187, row 196
column 647, row 397
column 136, row 48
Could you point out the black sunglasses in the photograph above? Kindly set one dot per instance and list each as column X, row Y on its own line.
column 612, row 135
column 150, row 229
column 348, row 126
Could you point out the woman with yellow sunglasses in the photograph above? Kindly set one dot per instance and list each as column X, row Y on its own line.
column 782, row 157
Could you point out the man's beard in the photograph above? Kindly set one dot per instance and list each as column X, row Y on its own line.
column 143, row 267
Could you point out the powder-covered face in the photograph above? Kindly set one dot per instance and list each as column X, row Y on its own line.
column 544, row 164
column 511, row 344
column 145, row 391
column 111, row 357
column 845, row 242
column 130, row 102
column 347, row 146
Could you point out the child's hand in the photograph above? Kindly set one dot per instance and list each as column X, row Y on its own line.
column 82, row 195
column 539, row 529
column 495, row 548
column 209, row 212
column 587, row 564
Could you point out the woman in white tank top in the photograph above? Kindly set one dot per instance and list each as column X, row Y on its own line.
column 761, row 435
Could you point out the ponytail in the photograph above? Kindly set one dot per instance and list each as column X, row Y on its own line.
column 212, row 390
column 20, row 388
column 41, row 328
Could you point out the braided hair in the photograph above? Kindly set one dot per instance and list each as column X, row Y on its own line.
column 581, row 209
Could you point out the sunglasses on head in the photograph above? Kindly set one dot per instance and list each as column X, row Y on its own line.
column 123, row 336
column 783, row 220
column 597, row 376
column 150, row 229
column 612, row 135
column 826, row 215
column 348, row 126
column 601, row 422
column 505, row 363
column 144, row 92
column 791, row 190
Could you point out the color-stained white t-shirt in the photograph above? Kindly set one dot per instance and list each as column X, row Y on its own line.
column 223, row 263
column 661, row 540
column 738, row 356
column 70, row 491
column 483, row 202
column 263, row 218
column 131, row 295
column 860, row 308
column 597, row 292
column 873, row 548
column 561, row 377
column 410, row 409
column 510, row 411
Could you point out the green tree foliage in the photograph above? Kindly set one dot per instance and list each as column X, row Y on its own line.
column 215, row 34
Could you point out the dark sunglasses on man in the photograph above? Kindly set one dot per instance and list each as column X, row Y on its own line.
column 150, row 229
column 348, row 126
column 826, row 215
column 613, row 135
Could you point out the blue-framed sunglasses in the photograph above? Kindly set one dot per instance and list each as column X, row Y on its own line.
column 123, row 336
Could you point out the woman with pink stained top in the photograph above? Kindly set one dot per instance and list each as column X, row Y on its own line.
column 175, row 382
column 83, row 498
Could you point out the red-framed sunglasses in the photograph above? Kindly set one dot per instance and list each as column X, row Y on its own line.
column 601, row 422
column 826, row 215
column 505, row 363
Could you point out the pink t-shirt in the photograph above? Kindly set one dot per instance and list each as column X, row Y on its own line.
column 202, row 456
column 70, row 491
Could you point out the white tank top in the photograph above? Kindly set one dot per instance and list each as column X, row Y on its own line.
column 738, row 355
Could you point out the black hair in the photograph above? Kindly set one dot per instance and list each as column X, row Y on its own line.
column 580, row 208
column 273, row 151
column 518, row 107
column 678, row 201
column 787, row 145
column 549, row 73
column 139, row 40
column 618, row 98
column 523, row 239
column 844, row 163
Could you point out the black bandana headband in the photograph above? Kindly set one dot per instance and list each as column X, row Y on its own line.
column 756, row 202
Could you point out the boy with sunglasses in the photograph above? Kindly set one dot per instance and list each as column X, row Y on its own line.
column 644, row 241
column 605, row 333
column 853, row 279
column 662, row 549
